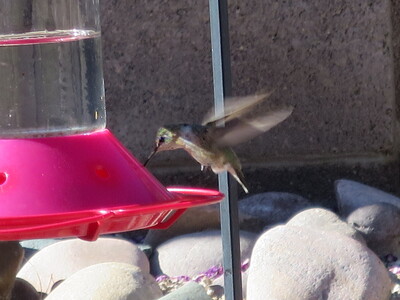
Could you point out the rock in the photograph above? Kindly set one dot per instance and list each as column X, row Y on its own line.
column 23, row 290
column 193, row 220
column 351, row 195
column 108, row 281
column 69, row 256
column 11, row 254
column 323, row 219
column 379, row 224
column 265, row 209
column 297, row 262
column 193, row 254
column 189, row 291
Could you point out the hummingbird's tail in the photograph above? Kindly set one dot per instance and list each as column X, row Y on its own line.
column 238, row 175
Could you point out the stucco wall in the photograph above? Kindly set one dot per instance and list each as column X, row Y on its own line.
column 332, row 60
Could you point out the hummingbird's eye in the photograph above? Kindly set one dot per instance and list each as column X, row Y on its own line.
column 161, row 140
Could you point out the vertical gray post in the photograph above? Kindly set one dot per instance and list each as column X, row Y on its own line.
column 229, row 206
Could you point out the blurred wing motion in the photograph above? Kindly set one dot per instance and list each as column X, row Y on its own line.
column 234, row 108
column 240, row 130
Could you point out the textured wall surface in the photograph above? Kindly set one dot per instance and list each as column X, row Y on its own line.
column 332, row 60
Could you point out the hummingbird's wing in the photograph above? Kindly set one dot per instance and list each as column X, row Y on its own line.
column 240, row 130
column 234, row 108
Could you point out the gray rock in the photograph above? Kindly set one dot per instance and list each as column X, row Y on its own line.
column 189, row 291
column 72, row 255
column 380, row 226
column 293, row 262
column 193, row 220
column 265, row 209
column 351, row 195
column 108, row 281
column 324, row 220
column 11, row 254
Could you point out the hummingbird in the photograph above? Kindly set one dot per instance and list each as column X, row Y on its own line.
column 210, row 143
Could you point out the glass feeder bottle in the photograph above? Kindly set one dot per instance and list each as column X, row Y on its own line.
column 51, row 77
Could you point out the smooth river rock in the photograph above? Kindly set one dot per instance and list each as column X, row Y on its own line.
column 108, row 281
column 351, row 195
column 379, row 224
column 298, row 262
column 62, row 259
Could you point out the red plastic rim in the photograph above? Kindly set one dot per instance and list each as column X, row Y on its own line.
column 90, row 224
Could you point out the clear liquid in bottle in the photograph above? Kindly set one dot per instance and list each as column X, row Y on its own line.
column 51, row 83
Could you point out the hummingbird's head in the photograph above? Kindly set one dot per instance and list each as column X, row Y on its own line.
column 165, row 139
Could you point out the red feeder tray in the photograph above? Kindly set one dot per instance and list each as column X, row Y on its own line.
column 83, row 185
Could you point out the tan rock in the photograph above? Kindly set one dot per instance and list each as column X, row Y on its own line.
column 62, row 259
column 195, row 253
column 108, row 281
column 326, row 220
column 293, row 262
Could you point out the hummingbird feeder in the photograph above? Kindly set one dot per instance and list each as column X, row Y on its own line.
column 62, row 173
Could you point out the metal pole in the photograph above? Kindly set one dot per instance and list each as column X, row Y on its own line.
column 229, row 206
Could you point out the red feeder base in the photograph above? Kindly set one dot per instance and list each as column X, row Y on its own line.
column 83, row 185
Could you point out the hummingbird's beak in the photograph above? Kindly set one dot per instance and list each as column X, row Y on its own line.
column 159, row 142
column 151, row 155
